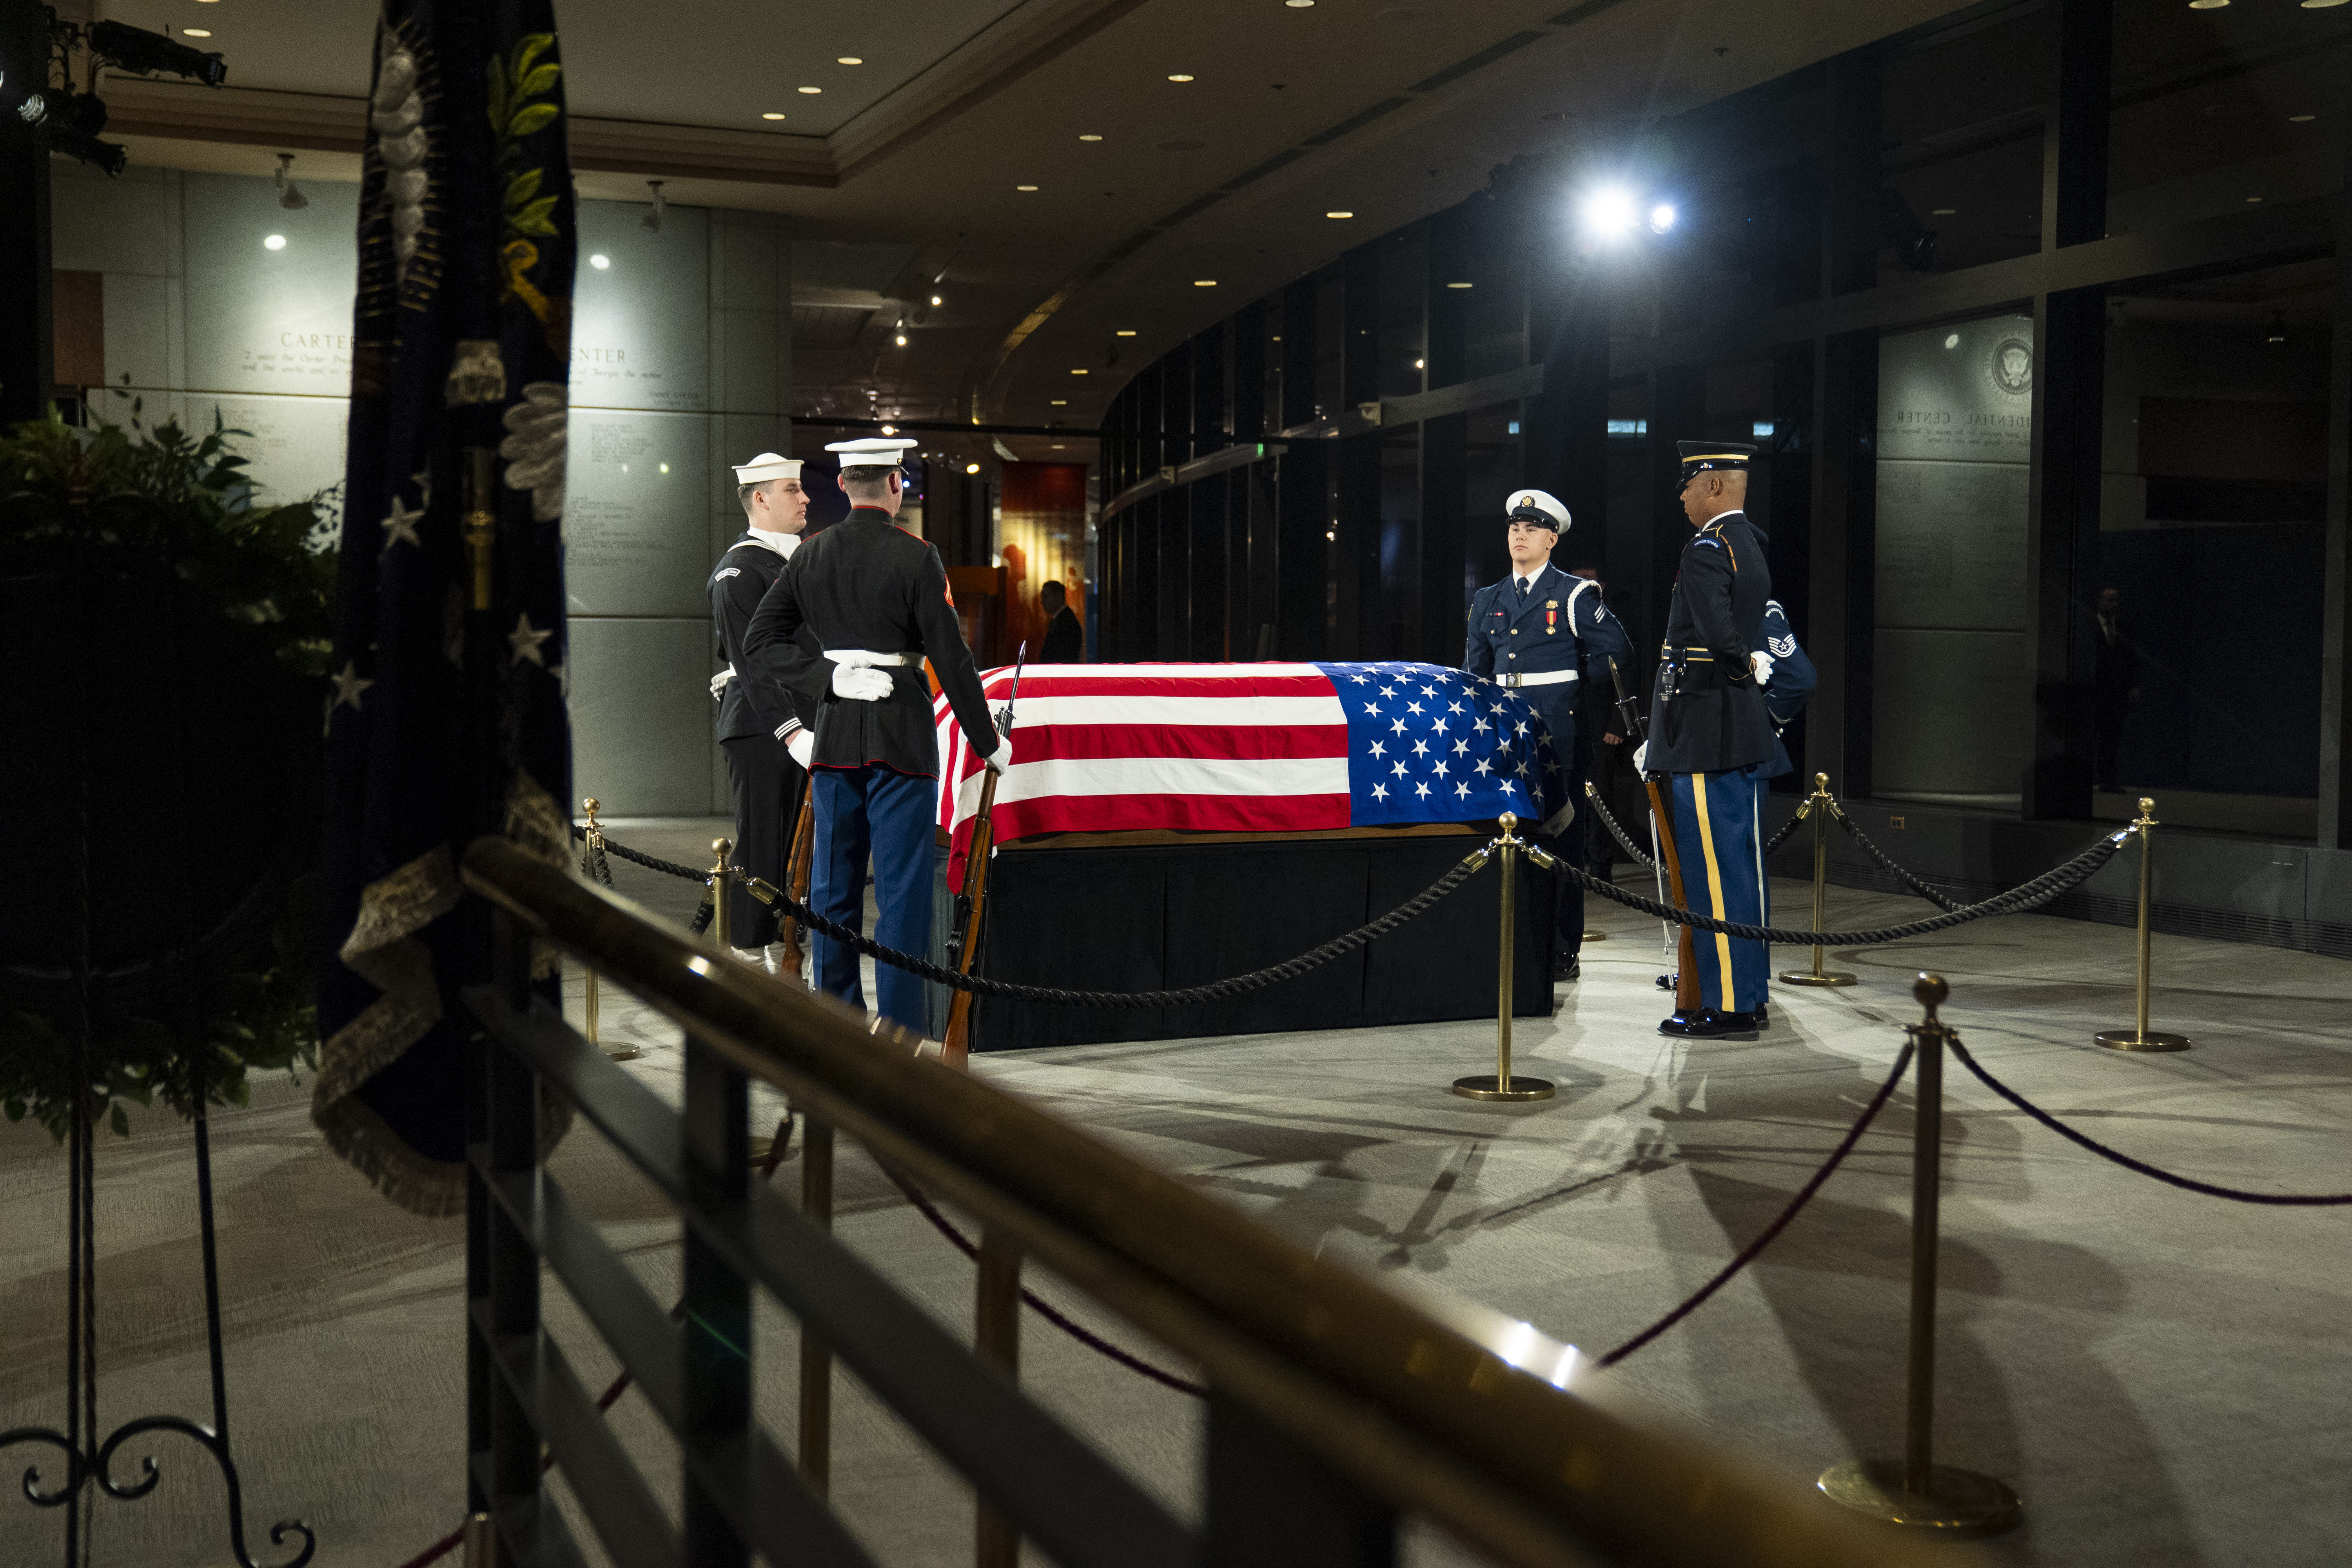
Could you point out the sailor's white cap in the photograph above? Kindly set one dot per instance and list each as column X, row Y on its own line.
column 871, row 452
column 765, row 467
column 1538, row 506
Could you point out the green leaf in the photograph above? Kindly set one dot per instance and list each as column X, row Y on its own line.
column 538, row 83
column 532, row 116
column 119, row 1122
column 498, row 96
column 524, row 186
column 529, row 47
column 536, row 218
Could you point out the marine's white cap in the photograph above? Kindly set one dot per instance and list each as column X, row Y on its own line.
column 765, row 467
column 1538, row 506
column 870, row 452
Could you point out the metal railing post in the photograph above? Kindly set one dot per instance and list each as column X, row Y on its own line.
column 1915, row 1490
column 996, row 1340
column 2139, row 1037
column 718, row 1403
column 1503, row 1085
column 1819, row 806
column 816, row 1361
column 513, row 1304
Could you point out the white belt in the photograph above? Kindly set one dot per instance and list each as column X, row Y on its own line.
column 859, row 659
column 1514, row 679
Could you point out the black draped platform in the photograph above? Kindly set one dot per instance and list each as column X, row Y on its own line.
column 1098, row 915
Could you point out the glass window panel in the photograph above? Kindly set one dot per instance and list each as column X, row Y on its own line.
column 1404, row 261
column 1960, row 118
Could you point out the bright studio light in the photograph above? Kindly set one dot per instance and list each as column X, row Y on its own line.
column 1610, row 213
column 971, row 468
column 1662, row 218
column 274, row 242
column 600, row 262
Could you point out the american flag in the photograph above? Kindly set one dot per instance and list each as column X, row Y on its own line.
column 1249, row 748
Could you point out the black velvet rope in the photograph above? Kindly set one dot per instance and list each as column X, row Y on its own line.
column 2031, row 894
column 1933, row 896
column 1039, row 1305
column 2186, row 1183
column 1787, row 828
column 1747, row 1254
column 1608, row 821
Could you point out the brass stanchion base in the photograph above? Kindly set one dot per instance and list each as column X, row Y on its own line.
column 1807, row 977
column 625, row 1054
column 1487, row 1086
column 2132, row 1041
column 1596, row 936
column 1959, row 1502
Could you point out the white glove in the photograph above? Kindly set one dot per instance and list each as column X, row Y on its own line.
column 803, row 746
column 1001, row 758
column 1762, row 663
column 718, row 683
column 860, row 684
column 1641, row 758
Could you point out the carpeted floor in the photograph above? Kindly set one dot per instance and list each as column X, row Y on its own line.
column 2162, row 1376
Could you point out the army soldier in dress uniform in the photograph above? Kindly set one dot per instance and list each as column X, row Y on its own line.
column 1710, row 733
column 1532, row 631
column 760, row 724
column 875, row 599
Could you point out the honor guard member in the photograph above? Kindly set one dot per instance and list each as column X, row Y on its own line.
column 1531, row 632
column 1787, row 692
column 1710, row 733
column 874, row 598
column 762, row 725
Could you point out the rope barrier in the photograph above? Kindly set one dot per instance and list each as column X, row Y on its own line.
column 1037, row 1304
column 2186, row 1183
column 1747, row 1254
column 2028, row 896
column 1256, row 979
column 1933, row 896
column 1601, row 808
column 1787, row 828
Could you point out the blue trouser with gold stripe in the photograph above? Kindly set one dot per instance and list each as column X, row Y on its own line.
column 1719, row 838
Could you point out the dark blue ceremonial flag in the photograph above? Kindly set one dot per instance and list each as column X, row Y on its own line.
column 446, row 718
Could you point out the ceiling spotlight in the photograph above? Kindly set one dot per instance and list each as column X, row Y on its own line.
column 195, row 32
column 274, row 242
column 1090, row 136
column 811, row 89
column 1180, row 76
column 971, row 468
column 1945, row 212
column 1124, row 333
column 1025, row 187
column 1449, row 286
column 935, row 301
column 1610, row 213
column 652, row 222
column 1339, row 215
column 849, row 61
column 902, row 340
column 772, row 114
column 289, row 194
column 1662, row 218
column 1204, row 282
column 1299, row 4
column 600, row 262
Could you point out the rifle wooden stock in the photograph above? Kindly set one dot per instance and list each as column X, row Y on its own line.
column 957, row 1051
column 1685, row 950
column 789, row 933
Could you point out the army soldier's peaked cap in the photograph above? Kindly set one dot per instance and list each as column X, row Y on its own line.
column 1539, row 508
column 1698, row 457
column 871, row 452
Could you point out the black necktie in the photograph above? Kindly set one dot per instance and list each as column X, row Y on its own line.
column 1523, row 586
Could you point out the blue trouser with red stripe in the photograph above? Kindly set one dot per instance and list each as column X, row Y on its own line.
column 885, row 813
column 1722, row 848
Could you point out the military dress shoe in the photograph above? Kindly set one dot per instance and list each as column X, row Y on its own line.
column 1565, row 967
column 1712, row 1024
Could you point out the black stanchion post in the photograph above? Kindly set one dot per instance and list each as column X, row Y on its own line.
column 1915, row 1490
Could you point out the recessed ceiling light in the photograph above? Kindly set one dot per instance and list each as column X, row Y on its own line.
column 195, row 32
column 2301, row 118
column 772, row 114
column 2320, row 5
column 849, row 61
column 1061, row 402
column 2253, row 198
column 600, row 262
column 937, row 300
column 1125, row 332
column 1180, row 76
column 1089, row 136
column 971, row 468
column 1339, row 215
column 1299, row 4
column 811, row 89
column 1080, row 371
column 2280, row 337
column 1945, row 212
column 275, row 242
column 1457, row 284
column 1204, row 282
column 1025, row 187
column 2206, row 5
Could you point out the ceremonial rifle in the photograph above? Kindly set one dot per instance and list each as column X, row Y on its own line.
column 789, row 932
column 957, row 1051
column 1662, row 815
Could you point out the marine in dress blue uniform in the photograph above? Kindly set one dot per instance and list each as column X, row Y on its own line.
column 875, row 598
column 1532, row 631
column 1710, row 733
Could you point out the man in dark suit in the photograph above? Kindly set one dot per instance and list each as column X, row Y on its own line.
column 2115, row 686
column 1066, row 640
column 876, row 599
column 760, row 724
column 1710, row 731
column 1533, row 631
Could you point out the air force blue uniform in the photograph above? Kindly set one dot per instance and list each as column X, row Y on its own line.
column 1550, row 630
column 1791, row 686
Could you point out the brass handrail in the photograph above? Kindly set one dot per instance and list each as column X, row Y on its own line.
column 1446, row 1408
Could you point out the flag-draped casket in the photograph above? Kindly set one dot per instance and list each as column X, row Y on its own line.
column 1249, row 748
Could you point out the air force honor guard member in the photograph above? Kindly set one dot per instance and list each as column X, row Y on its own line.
column 1532, row 631
column 761, row 723
column 1709, row 731
column 876, row 599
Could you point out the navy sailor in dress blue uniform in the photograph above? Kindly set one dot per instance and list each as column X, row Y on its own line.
column 762, row 725
column 875, row 598
column 1531, row 632
column 1710, row 731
